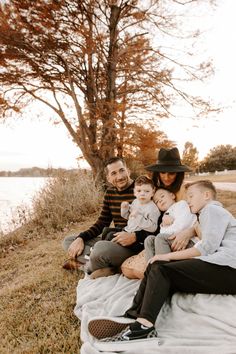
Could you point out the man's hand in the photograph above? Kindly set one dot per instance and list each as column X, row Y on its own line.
column 181, row 239
column 124, row 238
column 160, row 257
column 76, row 248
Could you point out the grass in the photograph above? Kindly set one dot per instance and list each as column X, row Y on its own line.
column 229, row 178
column 64, row 201
column 37, row 296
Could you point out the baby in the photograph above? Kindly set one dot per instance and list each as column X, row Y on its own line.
column 177, row 217
column 142, row 213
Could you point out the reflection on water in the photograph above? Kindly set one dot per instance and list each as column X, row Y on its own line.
column 15, row 191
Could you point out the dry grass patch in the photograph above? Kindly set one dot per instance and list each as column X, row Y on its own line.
column 37, row 299
column 228, row 199
column 229, row 178
column 64, row 201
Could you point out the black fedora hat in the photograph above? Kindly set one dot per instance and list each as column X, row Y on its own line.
column 168, row 161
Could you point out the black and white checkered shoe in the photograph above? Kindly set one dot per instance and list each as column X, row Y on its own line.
column 134, row 333
column 102, row 327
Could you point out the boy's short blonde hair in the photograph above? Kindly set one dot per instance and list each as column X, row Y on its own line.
column 203, row 184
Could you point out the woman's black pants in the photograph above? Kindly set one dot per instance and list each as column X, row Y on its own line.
column 162, row 279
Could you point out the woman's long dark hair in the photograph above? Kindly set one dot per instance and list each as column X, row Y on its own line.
column 174, row 187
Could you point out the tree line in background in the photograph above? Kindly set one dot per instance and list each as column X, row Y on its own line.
column 109, row 70
column 220, row 158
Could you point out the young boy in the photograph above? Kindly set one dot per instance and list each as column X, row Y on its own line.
column 177, row 217
column 209, row 268
column 216, row 225
column 142, row 213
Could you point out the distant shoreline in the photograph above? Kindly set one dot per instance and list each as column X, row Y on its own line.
column 38, row 172
column 28, row 176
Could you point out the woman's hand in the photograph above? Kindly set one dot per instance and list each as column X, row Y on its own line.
column 181, row 239
column 160, row 257
column 124, row 238
column 76, row 248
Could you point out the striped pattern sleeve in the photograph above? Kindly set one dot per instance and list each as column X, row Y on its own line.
column 110, row 212
column 115, row 200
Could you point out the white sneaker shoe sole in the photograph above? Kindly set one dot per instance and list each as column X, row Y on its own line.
column 103, row 327
column 121, row 346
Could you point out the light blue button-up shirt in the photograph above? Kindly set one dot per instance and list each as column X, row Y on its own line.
column 218, row 228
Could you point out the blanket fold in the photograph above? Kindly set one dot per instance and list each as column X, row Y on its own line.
column 189, row 323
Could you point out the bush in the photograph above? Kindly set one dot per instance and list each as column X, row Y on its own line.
column 66, row 199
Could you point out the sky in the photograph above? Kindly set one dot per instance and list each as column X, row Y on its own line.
column 205, row 134
column 28, row 142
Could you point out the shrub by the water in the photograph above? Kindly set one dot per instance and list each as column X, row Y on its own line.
column 65, row 199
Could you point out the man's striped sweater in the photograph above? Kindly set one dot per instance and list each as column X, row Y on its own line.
column 110, row 211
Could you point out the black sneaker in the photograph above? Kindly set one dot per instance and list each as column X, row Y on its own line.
column 136, row 332
column 103, row 327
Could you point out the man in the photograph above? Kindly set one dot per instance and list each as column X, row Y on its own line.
column 78, row 247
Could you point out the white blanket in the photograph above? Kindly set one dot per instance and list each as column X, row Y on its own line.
column 189, row 324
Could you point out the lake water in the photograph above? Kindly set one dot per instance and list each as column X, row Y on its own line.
column 15, row 191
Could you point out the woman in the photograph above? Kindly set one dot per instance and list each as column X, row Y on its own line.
column 169, row 173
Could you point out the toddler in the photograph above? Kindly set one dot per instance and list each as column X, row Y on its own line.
column 177, row 217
